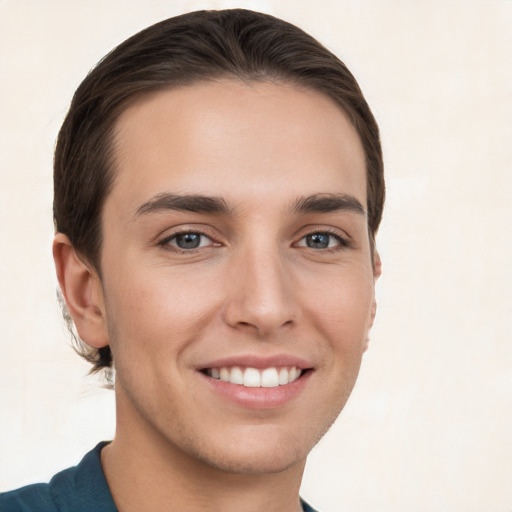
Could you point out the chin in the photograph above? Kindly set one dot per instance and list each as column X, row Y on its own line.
column 262, row 462
column 269, row 450
column 258, row 451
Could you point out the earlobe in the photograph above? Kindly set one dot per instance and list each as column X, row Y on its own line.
column 377, row 271
column 81, row 289
column 377, row 265
column 372, row 318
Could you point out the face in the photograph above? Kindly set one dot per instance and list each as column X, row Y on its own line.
column 237, row 277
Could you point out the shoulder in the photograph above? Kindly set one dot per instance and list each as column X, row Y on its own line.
column 76, row 489
column 306, row 507
column 27, row 499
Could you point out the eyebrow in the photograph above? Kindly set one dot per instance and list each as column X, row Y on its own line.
column 316, row 203
column 325, row 203
column 187, row 203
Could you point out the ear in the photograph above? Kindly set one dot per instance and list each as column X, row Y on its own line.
column 82, row 291
column 377, row 265
column 377, row 271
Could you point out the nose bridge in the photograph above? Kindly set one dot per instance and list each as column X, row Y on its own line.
column 261, row 293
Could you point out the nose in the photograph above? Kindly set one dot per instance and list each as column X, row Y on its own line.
column 260, row 296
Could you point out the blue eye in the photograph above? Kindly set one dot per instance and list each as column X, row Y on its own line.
column 188, row 241
column 318, row 241
column 321, row 241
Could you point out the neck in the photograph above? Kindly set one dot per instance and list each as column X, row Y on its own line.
column 146, row 471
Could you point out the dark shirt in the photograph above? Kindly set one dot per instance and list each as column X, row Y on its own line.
column 82, row 488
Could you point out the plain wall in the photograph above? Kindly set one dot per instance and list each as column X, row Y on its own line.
column 428, row 426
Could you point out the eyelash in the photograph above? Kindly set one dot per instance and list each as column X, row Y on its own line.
column 343, row 243
column 166, row 242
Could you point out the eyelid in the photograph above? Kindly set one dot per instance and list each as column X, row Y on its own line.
column 182, row 230
column 340, row 240
column 328, row 230
column 176, row 235
column 340, row 235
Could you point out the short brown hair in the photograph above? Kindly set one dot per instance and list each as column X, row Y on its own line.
column 184, row 50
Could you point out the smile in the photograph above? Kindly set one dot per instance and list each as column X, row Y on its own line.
column 271, row 377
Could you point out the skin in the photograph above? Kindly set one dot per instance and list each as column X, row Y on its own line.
column 254, row 286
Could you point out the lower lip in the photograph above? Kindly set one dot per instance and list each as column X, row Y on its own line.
column 259, row 398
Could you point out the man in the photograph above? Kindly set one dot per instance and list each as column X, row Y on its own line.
column 218, row 187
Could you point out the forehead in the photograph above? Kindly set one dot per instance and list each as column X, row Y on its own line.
column 235, row 140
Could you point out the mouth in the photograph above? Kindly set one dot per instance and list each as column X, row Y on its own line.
column 249, row 377
column 258, row 382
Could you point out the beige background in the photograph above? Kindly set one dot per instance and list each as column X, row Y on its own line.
column 429, row 424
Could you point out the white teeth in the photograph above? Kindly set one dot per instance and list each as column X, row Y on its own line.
column 269, row 378
column 224, row 374
column 254, row 378
column 283, row 376
column 236, row 376
column 294, row 374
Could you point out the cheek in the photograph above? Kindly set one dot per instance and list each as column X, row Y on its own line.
column 342, row 307
column 343, row 317
column 156, row 309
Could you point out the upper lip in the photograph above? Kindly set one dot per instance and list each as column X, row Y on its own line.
column 258, row 361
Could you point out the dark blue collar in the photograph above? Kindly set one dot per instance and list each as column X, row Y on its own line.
column 83, row 487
